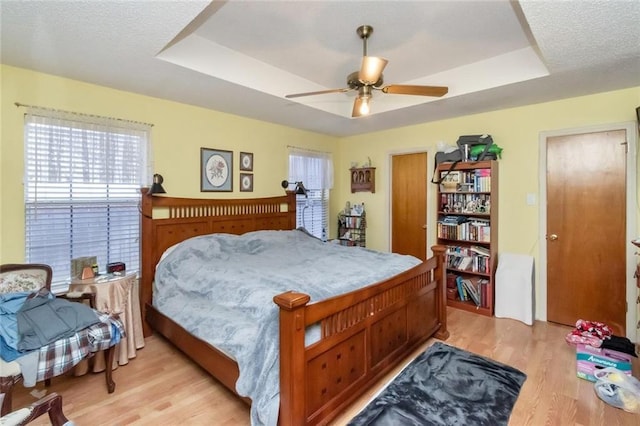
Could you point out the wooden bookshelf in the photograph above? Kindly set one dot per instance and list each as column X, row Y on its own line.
column 468, row 226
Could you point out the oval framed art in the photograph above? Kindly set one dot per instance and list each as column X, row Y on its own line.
column 216, row 170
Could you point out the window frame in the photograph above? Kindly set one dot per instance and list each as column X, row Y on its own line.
column 79, row 201
column 315, row 170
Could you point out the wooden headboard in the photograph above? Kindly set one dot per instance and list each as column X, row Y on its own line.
column 180, row 218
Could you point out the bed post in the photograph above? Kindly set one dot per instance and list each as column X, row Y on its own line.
column 146, row 257
column 441, row 292
column 292, row 358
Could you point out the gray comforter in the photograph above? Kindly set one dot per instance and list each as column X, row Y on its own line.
column 220, row 287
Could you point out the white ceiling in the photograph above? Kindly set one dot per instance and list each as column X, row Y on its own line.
column 243, row 57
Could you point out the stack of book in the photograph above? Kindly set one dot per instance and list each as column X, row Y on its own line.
column 478, row 180
column 463, row 228
column 482, row 180
column 465, row 202
column 473, row 258
column 473, row 289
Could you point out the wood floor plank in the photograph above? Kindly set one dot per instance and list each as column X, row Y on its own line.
column 162, row 387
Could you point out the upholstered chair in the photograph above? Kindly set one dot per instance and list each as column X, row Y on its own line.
column 24, row 277
column 19, row 278
column 32, row 277
column 50, row 404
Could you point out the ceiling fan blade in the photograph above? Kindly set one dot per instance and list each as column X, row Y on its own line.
column 321, row 92
column 371, row 69
column 357, row 104
column 400, row 89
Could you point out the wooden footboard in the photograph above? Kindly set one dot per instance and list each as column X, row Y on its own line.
column 363, row 335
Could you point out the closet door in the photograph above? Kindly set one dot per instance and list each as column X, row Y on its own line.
column 586, row 228
column 409, row 204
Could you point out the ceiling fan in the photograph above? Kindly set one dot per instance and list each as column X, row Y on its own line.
column 370, row 78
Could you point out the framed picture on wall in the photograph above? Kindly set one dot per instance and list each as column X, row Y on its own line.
column 246, row 182
column 216, row 170
column 246, row 161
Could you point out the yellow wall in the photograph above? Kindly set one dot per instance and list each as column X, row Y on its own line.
column 178, row 134
column 180, row 130
column 516, row 130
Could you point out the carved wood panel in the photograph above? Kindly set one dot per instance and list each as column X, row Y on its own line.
column 334, row 370
column 422, row 316
column 387, row 335
column 171, row 233
column 234, row 226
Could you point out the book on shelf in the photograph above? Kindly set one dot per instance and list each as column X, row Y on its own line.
column 461, row 291
column 465, row 263
column 450, row 179
column 473, row 258
column 472, row 291
column 469, row 231
column 480, row 251
column 454, row 220
column 478, row 180
column 483, row 285
column 482, row 180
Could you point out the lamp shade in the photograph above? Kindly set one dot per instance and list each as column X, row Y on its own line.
column 299, row 189
column 157, row 188
column 371, row 69
column 361, row 103
column 364, row 106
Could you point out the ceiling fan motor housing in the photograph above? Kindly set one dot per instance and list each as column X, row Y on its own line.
column 354, row 82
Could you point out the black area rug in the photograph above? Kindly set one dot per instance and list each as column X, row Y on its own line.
column 446, row 386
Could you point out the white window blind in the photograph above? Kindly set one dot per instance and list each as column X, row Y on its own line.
column 315, row 170
column 82, row 190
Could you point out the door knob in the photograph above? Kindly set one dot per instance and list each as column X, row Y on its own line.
column 552, row 237
column 424, row 226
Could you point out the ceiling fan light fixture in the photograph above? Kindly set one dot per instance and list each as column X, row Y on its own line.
column 361, row 103
column 371, row 69
column 364, row 106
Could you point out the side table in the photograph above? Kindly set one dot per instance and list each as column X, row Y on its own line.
column 115, row 294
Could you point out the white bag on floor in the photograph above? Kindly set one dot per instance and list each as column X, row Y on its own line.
column 514, row 288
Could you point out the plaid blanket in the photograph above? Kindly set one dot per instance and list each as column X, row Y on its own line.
column 60, row 356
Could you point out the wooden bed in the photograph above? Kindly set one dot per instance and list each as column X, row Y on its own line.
column 365, row 333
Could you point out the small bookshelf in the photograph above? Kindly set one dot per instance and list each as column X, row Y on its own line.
column 352, row 230
column 468, row 226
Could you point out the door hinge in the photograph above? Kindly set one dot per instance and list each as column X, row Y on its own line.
column 626, row 146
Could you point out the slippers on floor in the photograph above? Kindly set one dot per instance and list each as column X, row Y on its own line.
column 618, row 389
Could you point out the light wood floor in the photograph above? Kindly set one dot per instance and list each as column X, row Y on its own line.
column 162, row 387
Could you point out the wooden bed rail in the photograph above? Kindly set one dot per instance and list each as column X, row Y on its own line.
column 363, row 335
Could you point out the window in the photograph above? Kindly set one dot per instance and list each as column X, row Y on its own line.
column 315, row 170
column 82, row 190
